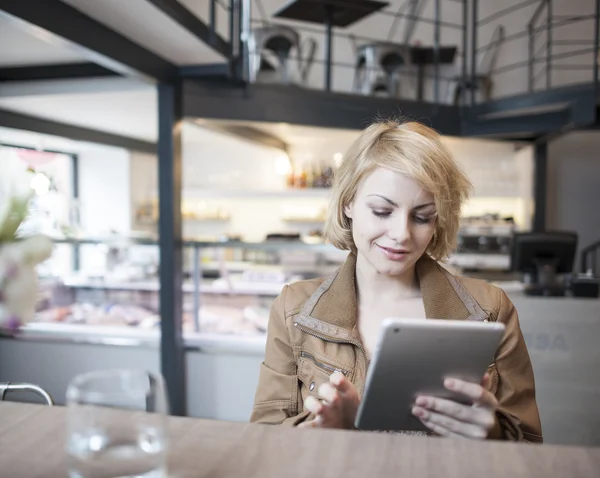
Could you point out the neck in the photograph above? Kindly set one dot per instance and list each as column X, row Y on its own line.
column 372, row 286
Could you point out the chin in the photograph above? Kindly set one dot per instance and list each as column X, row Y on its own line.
column 391, row 268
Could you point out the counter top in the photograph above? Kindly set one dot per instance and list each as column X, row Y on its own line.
column 32, row 443
column 137, row 337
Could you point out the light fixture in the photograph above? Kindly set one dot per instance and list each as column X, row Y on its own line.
column 283, row 166
column 337, row 159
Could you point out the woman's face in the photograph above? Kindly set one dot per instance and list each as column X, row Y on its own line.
column 393, row 220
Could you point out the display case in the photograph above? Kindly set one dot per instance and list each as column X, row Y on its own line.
column 228, row 286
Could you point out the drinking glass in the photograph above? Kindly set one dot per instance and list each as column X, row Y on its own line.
column 116, row 425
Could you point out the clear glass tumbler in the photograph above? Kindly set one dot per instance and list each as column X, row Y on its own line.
column 116, row 425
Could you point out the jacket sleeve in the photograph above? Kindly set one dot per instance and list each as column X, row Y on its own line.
column 276, row 400
column 517, row 417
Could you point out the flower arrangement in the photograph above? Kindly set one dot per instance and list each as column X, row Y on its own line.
column 19, row 256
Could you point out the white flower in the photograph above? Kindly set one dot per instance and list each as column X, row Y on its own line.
column 15, row 193
column 35, row 249
column 18, row 278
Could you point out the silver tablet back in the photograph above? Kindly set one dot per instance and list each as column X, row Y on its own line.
column 413, row 357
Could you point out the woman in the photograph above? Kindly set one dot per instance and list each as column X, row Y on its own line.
column 395, row 206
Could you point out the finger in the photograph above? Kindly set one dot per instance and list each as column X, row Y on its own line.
column 485, row 380
column 439, row 430
column 483, row 417
column 340, row 382
column 449, row 424
column 313, row 405
column 474, row 391
column 308, row 424
column 328, row 393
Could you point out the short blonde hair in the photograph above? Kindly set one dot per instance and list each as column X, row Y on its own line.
column 411, row 149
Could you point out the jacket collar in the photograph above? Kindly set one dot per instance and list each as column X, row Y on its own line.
column 332, row 308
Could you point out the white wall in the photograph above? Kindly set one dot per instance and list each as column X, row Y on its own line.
column 215, row 161
column 225, row 174
column 104, row 190
column 574, row 185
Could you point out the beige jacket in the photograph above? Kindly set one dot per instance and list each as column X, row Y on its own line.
column 313, row 332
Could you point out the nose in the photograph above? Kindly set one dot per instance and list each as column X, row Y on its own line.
column 399, row 230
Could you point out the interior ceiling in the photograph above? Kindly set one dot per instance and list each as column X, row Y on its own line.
column 126, row 111
column 132, row 111
column 20, row 48
column 146, row 25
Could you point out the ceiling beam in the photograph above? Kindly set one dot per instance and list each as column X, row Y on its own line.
column 11, row 119
column 114, row 84
column 531, row 124
column 181, row 15
column 59, row 23
column 512, row 104
column 55, row 72
column 281, row 103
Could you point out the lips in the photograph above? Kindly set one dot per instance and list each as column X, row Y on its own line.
column 392, row 250
column 393, row 254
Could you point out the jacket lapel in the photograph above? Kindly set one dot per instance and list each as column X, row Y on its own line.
column 333, row 306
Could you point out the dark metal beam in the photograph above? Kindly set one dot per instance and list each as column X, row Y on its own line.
column 11, row 119
column 540, row 185
column 210, row 70
column 531, row 124
column 474, row 32
column 537, row 12
column 436, row 52
column 279, row 103
column 178, row 12
column 596, row 46
column 530, row 100
column 99, row 43
column 55, row 72
column 172, row 355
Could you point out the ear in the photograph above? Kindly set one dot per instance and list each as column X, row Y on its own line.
column 348, row 211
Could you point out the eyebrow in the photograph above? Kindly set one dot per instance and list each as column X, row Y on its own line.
column 389, row 201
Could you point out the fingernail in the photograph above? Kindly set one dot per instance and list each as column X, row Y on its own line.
column 336, row 378
column 418, row 412
column 449, row 383
column 421, row 401
column 312, row 404
column 323, row 389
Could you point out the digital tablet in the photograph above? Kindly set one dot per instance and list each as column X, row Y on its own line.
column 413, row 357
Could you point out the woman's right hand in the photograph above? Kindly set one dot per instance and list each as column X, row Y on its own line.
column 338, row 405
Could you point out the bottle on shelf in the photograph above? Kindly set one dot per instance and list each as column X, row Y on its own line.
column 291, row 177
column 310, row 177
column 327, row 176
column 318, row 176
column 301, row 178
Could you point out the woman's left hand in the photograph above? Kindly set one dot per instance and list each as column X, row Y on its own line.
column 449, row 418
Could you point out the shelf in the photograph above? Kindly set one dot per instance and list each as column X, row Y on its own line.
column 246, row 288
column 257, row 194
column 306, row 220
column 467, row 260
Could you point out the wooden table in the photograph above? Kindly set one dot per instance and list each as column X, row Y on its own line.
column 32, row 437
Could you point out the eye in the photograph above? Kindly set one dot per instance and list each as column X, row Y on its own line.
column 422, row 219
column 381, row 213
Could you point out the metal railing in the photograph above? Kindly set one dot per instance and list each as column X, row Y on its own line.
column 544, row 33
column 477, row 66
column 242, row 18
